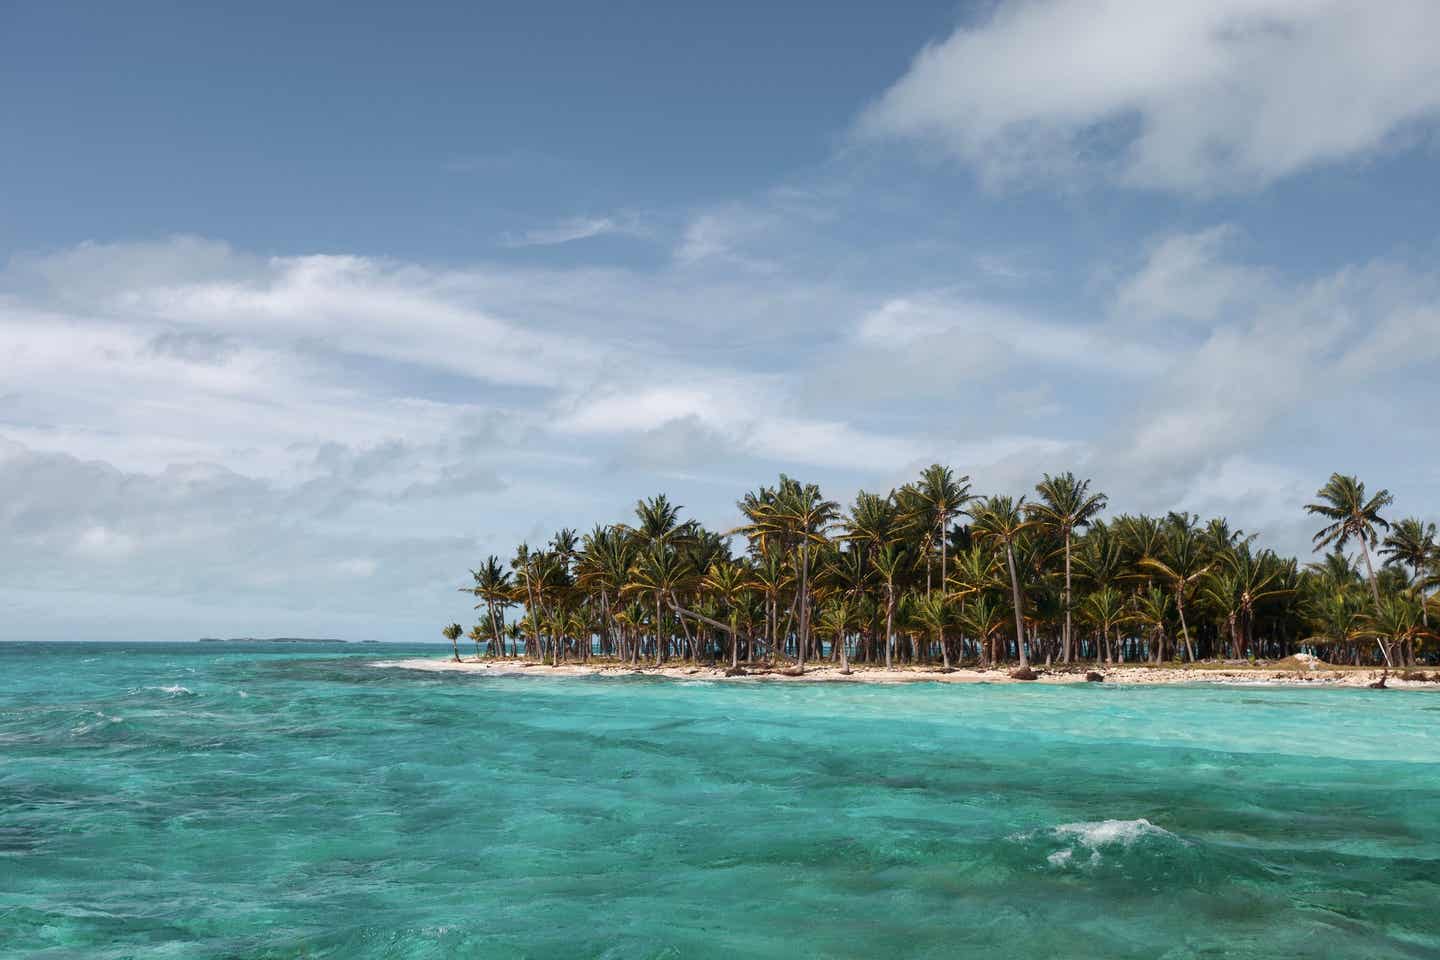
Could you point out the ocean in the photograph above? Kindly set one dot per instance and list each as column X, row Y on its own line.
column 286, row 801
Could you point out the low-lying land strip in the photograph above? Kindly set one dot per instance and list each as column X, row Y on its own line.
column 1291, row 672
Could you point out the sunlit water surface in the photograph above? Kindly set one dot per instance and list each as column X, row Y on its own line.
column 207, row 800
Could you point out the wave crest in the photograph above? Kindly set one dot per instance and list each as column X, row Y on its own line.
column 1083, row 844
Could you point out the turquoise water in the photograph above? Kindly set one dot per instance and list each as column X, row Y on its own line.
column 198, row 800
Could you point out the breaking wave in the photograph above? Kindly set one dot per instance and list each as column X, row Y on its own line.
column 1086, row 844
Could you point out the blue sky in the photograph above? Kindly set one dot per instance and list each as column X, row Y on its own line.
column 306, row 310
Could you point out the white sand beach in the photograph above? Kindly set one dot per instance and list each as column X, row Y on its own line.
column 1294, row 672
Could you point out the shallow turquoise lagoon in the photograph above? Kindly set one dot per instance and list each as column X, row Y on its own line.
column 207, row 800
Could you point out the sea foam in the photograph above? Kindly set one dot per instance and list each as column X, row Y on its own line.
column 1099, row 833
column 175, row 690
column 1083, row 844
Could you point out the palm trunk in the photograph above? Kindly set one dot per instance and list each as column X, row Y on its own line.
column 944, row 546
column 803, row 638
column 1068, row 595
column 534, row 617
column 1375, row 592
column 889, row 626
column 1180, row 608
column 494, row 631
column 1015, row 593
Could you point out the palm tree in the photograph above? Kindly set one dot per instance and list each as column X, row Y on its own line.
column 1105, row 611
column 477, row 633
column 932, row 502
column 1398, row 621
column 659, row 571
column 603, row 568
column 1152, row 609
column 1181, row 562
column 934, row 611
column 983, row 617
column 525, row 565
column 1065, row 504
column 890, row 565
column 494, row 588
column 796, row 514
column 874, row 522
column 772, row 575
column 1411, row 542
column 1352, row 516
column 658, row 521
column 452, row 633
column 730, row 583
column 1331, row 611
column 1000, row 519
column 835, row 619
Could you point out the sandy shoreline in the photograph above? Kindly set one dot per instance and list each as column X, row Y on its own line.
column 1238, row 675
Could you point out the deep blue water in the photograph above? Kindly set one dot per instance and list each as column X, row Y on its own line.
column 205, row 800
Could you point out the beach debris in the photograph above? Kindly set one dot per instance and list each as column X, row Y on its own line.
column 1093, row 677
column 1380, row 684
column 1024, row 673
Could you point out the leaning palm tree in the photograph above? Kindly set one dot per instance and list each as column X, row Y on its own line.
column 452, row 633
column 1000, row 520
column 1352, row 516
column 1065, row 504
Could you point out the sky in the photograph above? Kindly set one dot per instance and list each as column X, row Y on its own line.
column 307, row 308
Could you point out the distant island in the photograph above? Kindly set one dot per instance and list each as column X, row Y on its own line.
column 270, row 640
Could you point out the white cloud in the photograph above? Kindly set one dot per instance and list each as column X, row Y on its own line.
column 1187, row 277
column 1298, row 367
column 567, row 231
column 1188, row 95
column 981, row 339
column 726, row 236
